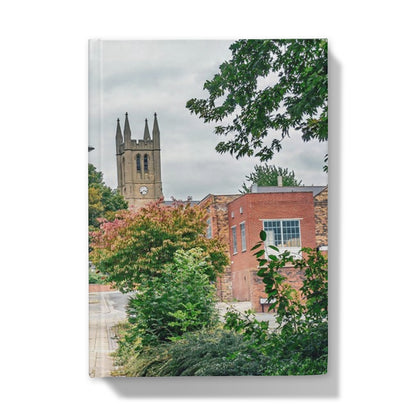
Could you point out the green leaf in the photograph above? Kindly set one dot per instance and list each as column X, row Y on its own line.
column 261, row 272
column 263, row 235
column 274, row 248
column 259, row 253
column 256, row 246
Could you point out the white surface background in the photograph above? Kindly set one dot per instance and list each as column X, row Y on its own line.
column 44, row 312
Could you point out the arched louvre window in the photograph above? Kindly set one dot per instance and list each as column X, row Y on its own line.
column 122, row 170
column 138, row 166
column 146, row 163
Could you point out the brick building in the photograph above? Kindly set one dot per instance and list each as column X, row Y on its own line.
column 293, row 217
column 217, row 225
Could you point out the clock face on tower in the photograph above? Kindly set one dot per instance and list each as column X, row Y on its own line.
column 143, row 190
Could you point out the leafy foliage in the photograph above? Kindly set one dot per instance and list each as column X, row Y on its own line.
column 95, row 277
column 173, row 328
column 267, row 88
column 103, row 202
column 182, row 299
column 201, row 353
column 135, row 248
column 266, row 175
column 300, row 343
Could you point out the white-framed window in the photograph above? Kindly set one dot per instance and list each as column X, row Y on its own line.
column 284, row 234
column 234, row 238
column 209, row 228
column 243, row 236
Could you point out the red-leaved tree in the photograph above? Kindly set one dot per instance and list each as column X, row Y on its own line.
column 137, row 245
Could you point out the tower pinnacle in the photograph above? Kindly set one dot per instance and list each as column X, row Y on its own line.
column 127, row 131
column 156, row 133
column 146, row 135
column 119, row 137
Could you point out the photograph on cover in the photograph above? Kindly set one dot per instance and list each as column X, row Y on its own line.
column 208, row 207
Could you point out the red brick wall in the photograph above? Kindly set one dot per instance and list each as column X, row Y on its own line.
column 251, row 209
column 294, row 277
column 217, row 210
column 224, row 286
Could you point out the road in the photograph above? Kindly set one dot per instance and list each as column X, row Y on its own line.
column 105, row 310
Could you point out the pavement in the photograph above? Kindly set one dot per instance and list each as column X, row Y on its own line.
column 107, row 308
column 243, row 307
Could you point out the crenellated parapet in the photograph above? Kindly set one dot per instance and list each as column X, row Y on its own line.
column 125, row 141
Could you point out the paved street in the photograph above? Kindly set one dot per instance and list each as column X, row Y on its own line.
column 105, row 310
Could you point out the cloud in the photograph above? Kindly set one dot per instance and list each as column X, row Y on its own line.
column 143, row 77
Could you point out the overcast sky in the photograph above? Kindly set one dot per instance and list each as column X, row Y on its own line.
column 144, row 77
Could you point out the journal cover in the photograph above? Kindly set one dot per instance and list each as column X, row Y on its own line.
column 208, row 207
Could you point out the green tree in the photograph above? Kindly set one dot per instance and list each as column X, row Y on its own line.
column 266, row 175
column 267, row 88
column 181, row 300
column 95, row 177
column 137, row 245
column 103, row 202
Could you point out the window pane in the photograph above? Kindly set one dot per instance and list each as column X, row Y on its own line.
column 209, row 228
column 273, row 231
column 234, row 232
column 291, row 233
column 243, row 236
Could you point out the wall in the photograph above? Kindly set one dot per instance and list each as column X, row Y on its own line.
column 252, row 209
column 321, row 217
column 217, row 211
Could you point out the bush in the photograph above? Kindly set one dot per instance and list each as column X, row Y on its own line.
column 202, row 353
column 182, row 300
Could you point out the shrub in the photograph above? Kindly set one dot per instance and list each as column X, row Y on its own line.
column 202, row 353
column 181, row 300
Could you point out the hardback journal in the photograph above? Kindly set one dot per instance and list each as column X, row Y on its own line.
column 208, row 207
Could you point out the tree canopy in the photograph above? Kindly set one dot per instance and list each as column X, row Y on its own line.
column 266, row 175
column 137, row 245
column 103, row 202
column 266, row 89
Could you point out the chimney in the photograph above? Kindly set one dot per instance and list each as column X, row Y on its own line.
column 279, row 181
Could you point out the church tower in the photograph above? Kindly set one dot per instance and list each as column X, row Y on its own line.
column 138, row 165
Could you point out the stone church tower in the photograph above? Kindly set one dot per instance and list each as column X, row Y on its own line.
column 138, row 165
